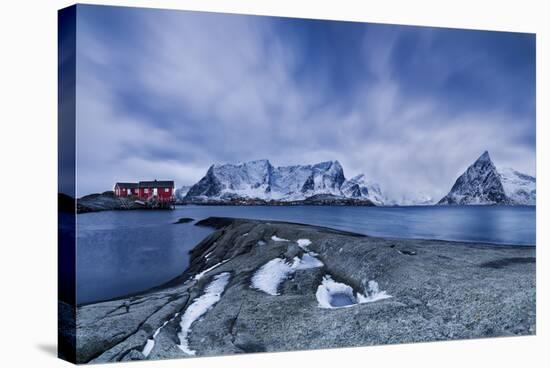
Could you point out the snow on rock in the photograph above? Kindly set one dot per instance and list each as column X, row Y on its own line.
column 261, row 243
column 151, row 342
column 148, row 347
column 308, row 261
column 372, row 293
column 331, row 294
column 277, row 239
column 201, row 274
column 275, row 272
column 199, row 307
column 303, row 243
column 272, row 274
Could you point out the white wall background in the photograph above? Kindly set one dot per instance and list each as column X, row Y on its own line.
column 28, row 149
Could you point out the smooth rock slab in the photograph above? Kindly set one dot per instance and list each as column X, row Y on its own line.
column 440, row 290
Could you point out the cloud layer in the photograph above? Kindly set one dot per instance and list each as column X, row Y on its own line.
column 164, row 94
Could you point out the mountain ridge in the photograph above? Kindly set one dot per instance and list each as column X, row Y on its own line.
column 260, row 180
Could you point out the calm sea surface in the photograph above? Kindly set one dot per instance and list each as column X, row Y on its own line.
column 121, row 252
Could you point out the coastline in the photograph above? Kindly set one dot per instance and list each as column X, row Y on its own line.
column 437, row 292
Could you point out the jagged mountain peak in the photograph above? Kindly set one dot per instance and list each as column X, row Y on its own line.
column 484, row 157
column 482, row 183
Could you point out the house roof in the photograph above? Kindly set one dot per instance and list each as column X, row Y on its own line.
column 157, row 184
column 127, row 185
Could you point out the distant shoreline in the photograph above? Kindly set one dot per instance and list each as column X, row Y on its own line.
column 105, row 201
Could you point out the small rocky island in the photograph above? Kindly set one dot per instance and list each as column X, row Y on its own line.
column 255, row 286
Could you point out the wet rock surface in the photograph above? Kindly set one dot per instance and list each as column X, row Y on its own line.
column 184, row 220
column 439, row 290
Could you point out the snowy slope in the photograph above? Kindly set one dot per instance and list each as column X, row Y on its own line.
column 181, row 192
column 412, row 199
column 260, row 180
column 519, row 188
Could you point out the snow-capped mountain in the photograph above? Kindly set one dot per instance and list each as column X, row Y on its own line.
column 482, row 183
column 360, row 187
column 412, row 199
column 261, row 180
column 181, row 192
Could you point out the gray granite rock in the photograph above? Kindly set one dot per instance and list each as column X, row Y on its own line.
column 439, row 291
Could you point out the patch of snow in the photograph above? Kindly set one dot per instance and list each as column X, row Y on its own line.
column 277, row 239
column 272, row 274
column 303, row 243
column 261, row 243
column 148, row 347
column 308, row 261
column 245, row 234
column 331, row 294
column 151, row 342
column 199, row 307
column 372, row 293
column 329, row 289
column 201, row 274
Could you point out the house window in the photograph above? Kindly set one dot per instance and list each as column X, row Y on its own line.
column 155, row 191
column 146, row 190
column 166, row 190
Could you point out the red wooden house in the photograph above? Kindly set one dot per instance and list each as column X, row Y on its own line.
column 126, row 189
column 160, row 190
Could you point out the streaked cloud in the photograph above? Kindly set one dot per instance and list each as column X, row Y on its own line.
column 164, row 94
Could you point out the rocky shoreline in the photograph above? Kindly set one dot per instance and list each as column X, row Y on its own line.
column 107, row 201
column 256, row 286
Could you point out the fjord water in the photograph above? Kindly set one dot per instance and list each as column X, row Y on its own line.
column 123, row 252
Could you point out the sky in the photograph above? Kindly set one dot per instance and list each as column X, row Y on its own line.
column 165, row 94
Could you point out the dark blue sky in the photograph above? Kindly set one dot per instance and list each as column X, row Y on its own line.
column 164, row 94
